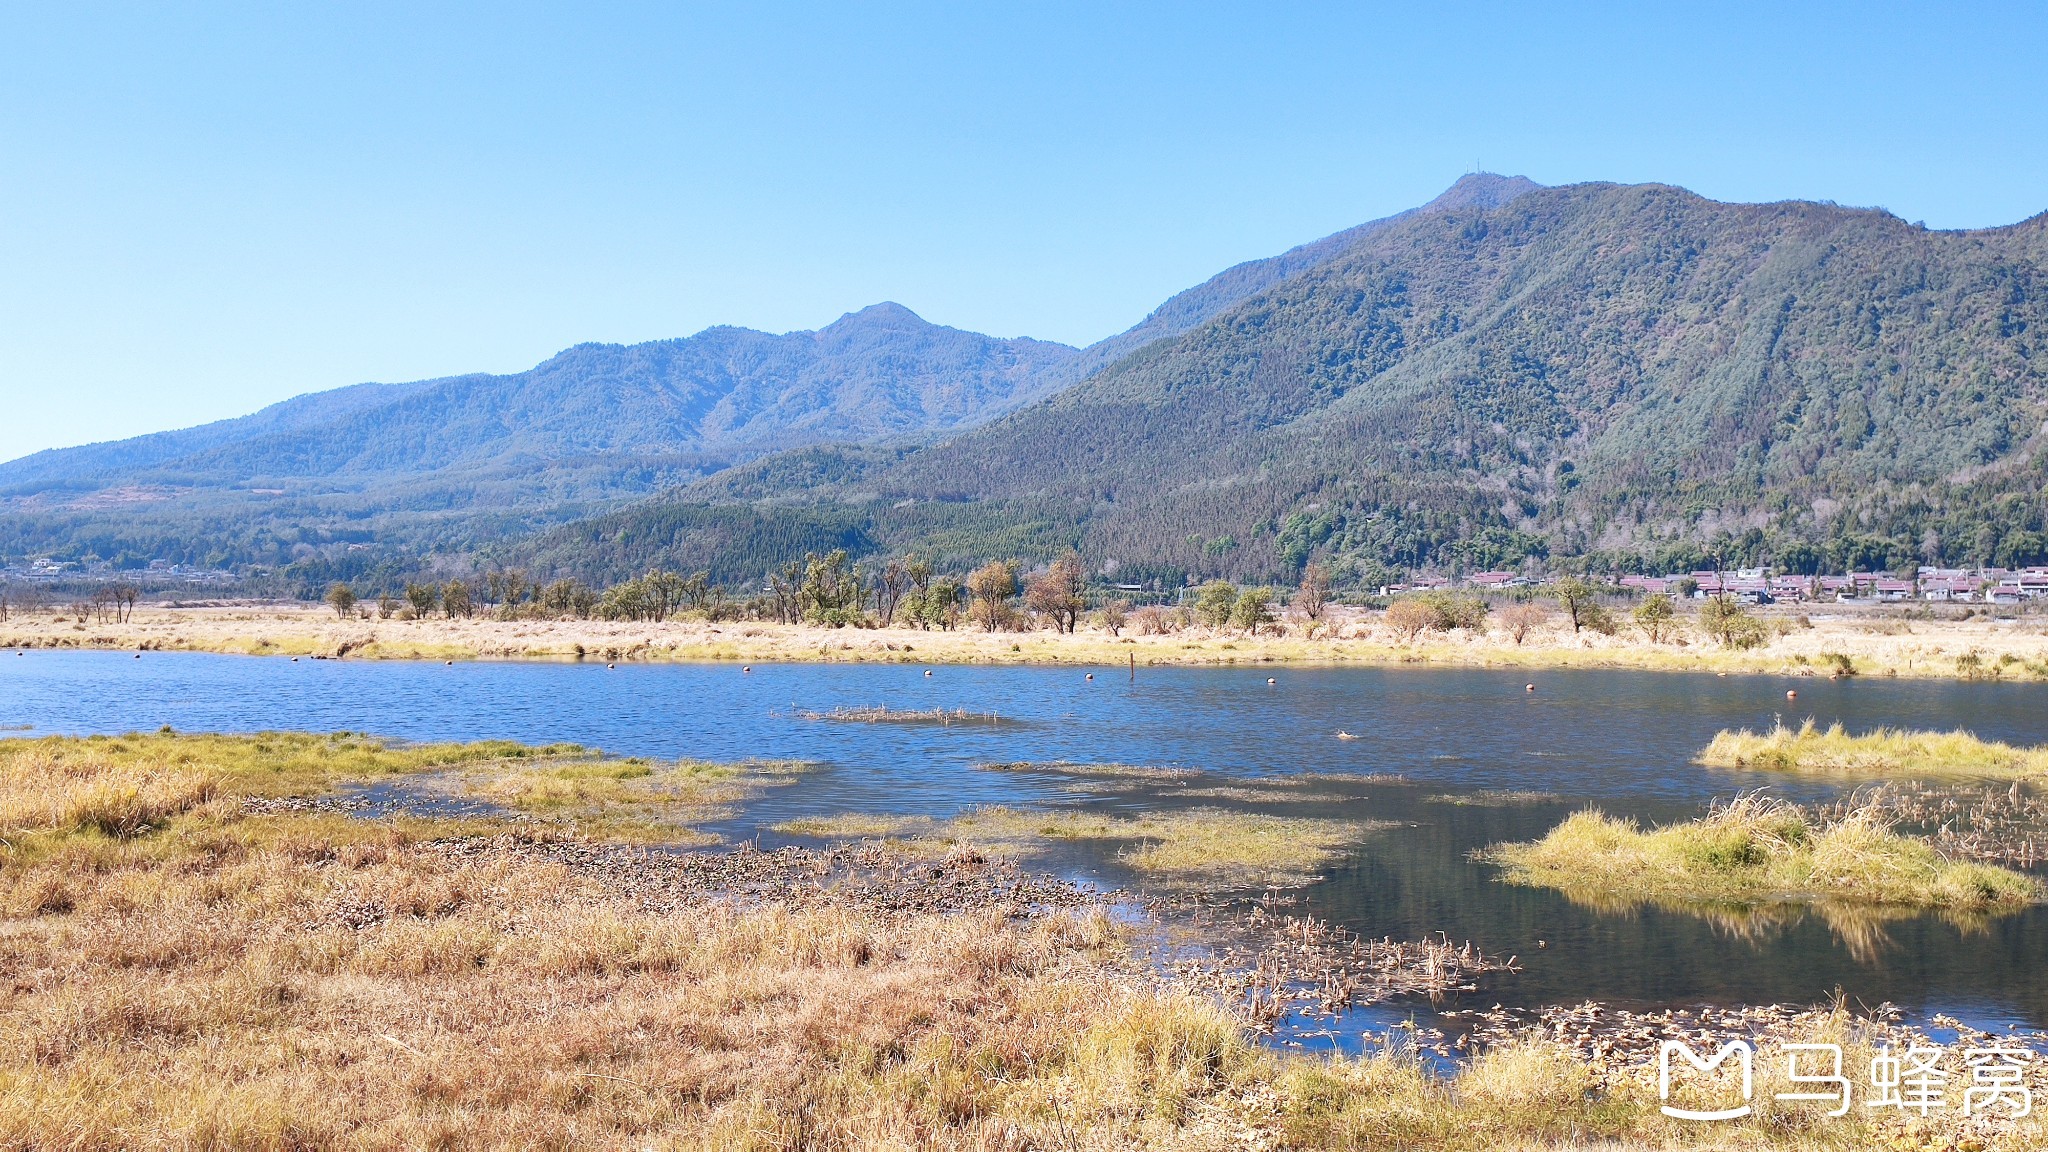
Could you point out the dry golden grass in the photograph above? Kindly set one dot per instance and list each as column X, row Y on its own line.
column 1754, row 850
column 1884, row 752
column 1950, row 649
column 226, row 981
column 635, row 797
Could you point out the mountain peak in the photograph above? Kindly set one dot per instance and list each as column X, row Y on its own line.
column 887, row 314
column 1483, row 190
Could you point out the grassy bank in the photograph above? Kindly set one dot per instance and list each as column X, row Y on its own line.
column 1850, row 643
column 1754, row 850
column 185, row 970
column 1884, row 752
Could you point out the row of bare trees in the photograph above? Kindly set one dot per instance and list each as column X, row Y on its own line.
column 832, row 590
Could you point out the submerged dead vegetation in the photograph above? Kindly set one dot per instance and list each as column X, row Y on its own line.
column 183, row 969
column 1198, row 847
column 1884, row 752
column 1755, row 850
column 882, row 714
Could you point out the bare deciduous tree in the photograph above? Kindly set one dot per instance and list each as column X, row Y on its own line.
column 1314, row 594
column 1056, row 592
column 1518, row 620
column 1113, row 616
column 890, row 588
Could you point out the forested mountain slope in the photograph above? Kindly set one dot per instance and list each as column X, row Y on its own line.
column 878, row 372
column 596, row 423
column 1185, row 310
column 1634, row 371
column 452, row 465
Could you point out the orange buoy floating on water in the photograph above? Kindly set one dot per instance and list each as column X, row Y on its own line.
column 1791, row 694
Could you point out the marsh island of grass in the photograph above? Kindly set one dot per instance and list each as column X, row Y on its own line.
column 1757, row 850
column 634, row 797
column 1884, row 752
column 1205, row 847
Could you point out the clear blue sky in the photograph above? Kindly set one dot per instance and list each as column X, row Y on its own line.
column 205, row 208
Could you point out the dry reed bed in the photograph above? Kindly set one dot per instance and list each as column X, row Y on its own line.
column 1945, row 649
column 2000, row 825
column 1832, row 751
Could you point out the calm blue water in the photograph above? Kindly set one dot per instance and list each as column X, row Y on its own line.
column 1621, row 740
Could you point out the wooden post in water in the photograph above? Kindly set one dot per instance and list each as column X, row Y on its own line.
column 1134, row 667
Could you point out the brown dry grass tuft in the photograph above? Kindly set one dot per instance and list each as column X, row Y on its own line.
column 1885, row 752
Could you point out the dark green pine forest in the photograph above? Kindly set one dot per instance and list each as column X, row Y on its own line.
column 1630, row 376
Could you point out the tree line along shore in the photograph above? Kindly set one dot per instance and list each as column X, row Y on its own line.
column 1442, row 629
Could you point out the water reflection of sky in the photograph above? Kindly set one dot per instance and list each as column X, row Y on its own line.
column 1621, row 740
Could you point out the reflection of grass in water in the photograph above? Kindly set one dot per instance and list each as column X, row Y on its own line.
column 936, row 716
column 1205, row 845
column 1755, row 850
column 1859, row 926
column 634, row 797
column 1884, row 752
column 1493, row 798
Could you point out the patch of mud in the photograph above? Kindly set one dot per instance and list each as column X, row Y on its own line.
column 868, row 877
column 426, row 795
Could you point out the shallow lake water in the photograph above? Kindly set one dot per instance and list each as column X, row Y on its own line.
column 1619, row 740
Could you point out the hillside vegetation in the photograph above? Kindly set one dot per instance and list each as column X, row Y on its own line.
column 444, row 465
column 1633, row 372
